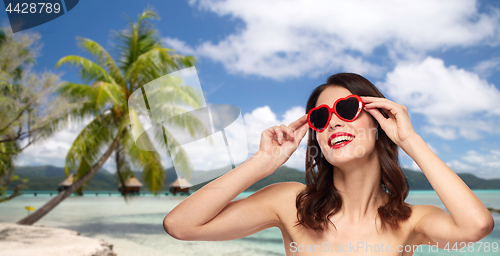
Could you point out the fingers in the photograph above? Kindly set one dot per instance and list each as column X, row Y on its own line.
column 289, row 131
column 279, row 134
column 369, row 99
column 283, row 133
column 376, row 114
column 383, row 103
column 299, row 122
column 392, row 107
column 377, row 100
column 302, row 132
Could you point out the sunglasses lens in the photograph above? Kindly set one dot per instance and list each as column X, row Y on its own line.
column 347, row 108
column 319, row 118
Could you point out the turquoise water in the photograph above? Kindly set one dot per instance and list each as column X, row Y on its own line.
column 136, row 226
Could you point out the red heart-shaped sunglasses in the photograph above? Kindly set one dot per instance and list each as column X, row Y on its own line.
column 347, row 109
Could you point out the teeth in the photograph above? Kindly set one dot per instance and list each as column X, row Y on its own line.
column 340, row 139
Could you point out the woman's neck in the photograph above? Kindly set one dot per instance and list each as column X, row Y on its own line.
column 360, row 188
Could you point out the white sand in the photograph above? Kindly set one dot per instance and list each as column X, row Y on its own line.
column 23, row 240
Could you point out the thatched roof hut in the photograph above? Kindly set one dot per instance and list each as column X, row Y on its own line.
column 133, row 182
column 132, row 185
column 66, row 183
column 181, row 182
column 180, row 185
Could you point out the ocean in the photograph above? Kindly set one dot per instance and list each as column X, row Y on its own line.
column 135, row 227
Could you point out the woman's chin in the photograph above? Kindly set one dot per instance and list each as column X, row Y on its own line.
column 345, row 155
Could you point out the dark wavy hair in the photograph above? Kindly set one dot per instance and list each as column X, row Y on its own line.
column 320, row 199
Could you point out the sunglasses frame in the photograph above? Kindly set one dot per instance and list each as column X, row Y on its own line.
column 333, row 110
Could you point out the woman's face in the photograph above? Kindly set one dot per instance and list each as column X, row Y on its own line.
column 342, row 142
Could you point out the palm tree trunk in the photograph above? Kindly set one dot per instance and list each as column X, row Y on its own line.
column 42, row 211
column 122, row 182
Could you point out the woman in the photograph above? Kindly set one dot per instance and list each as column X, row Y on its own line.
column 355, row 192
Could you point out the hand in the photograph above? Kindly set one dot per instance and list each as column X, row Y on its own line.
column 278, row 143
column 398, row 126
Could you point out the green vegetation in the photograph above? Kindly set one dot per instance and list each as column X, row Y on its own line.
column 48, row 177
column 26, row 116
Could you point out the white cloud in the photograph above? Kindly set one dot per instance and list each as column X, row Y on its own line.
column 262, row 118
column 283, row 39
column 487, row 67
column 53, row 150
column 459, row 166
column 179, row 45
column 484, row 165
column 454, row 102
column 49, row 152
column 446, row 133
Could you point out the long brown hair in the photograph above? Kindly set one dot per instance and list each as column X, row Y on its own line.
column 320, row 199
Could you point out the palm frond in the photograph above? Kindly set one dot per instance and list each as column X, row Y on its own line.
column 148, row 161
column 97, row 95
column 109, row 93
column 147, row 14
column 147, row 66
column 169, row 90
column 187, row 61
column 176, row 152
column 103, row 58
column 185, row 121
column 139, row 38
column 156, row 63
column 88, row 145
column 89, row 70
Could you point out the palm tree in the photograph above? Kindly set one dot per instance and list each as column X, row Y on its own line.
column 142, row 58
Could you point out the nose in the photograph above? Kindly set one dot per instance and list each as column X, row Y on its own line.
column 335, row 122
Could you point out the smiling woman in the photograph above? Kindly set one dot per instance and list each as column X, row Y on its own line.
column 364, row 135
column 355, row 190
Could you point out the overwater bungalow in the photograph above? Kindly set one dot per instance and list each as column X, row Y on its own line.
column 175, row 187
column 132, row 186
column 66, row 183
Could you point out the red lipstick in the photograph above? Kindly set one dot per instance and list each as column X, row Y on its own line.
column 340, row 139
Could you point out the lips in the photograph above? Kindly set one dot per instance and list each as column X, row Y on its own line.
column 340, row 139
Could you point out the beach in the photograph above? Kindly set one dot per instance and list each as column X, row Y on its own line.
column 135, row 227
column 21, row 240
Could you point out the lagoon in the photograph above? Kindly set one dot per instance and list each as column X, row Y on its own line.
column 135, row 227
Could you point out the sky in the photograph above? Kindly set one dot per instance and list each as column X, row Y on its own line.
column 441, row 59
